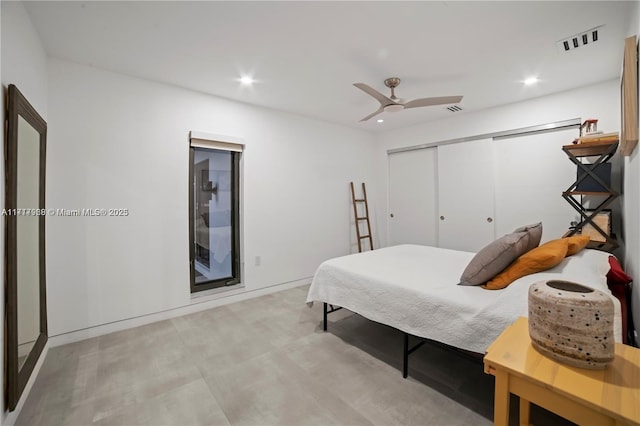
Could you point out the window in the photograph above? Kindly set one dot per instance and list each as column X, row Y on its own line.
column 214, row 211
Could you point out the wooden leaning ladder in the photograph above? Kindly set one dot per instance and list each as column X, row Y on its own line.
column 355, row 201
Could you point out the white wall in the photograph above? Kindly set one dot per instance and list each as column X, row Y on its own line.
column 601, row 101
column 121, row 142
column 23, row 63
column 632, row 202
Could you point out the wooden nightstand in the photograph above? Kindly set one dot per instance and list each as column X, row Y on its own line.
column 586, row 397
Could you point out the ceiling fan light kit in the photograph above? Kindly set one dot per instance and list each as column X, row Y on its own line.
column 394, row 108
column 395, row 104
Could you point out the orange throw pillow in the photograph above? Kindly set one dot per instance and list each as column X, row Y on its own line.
column 577, row 243
column 538, row 259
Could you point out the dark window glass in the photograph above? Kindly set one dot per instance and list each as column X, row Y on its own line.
column 214, row 205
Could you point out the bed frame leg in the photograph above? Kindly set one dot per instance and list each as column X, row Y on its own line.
column 324, row 316
column 405, row 357
column 408, row 351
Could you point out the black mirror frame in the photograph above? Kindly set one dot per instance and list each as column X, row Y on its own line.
column 16, row 379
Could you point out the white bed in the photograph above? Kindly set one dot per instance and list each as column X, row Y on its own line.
column 414, row 289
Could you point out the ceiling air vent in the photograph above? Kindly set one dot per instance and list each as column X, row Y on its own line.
column 454, row 108
column 584, row 38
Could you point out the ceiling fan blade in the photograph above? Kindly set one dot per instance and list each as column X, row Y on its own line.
column 373, row 92
column 373, row 114
column 433, row 101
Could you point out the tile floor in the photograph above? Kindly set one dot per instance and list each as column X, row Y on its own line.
column 264, row 361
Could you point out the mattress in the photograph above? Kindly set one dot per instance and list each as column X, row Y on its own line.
column 414, row 289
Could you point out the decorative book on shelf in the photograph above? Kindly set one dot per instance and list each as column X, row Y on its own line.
column 598, row 137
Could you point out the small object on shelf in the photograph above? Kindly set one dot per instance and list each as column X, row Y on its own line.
column 572, row 323
column 602, row 221
column 588, row 183
column 590, row 125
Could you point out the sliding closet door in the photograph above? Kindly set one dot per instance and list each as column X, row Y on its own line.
column 465, row 195
column 531, row 173
column 412, row 196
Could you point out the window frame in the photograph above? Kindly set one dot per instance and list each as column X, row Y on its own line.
column 213, row 142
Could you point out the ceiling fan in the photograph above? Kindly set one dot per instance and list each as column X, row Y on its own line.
column 394, row 104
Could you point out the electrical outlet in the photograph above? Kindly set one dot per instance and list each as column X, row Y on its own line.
column 258, row 260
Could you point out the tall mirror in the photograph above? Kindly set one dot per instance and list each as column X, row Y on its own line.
column 25, row 288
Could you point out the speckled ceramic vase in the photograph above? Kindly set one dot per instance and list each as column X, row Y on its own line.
column 572, row 323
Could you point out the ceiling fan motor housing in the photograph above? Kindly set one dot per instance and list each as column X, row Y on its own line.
column 392, row 82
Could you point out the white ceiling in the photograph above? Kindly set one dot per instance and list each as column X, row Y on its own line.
column 305, row 56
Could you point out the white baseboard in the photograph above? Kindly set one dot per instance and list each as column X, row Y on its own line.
column 198, row 303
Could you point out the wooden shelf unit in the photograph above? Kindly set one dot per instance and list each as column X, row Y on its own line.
column 603, row 150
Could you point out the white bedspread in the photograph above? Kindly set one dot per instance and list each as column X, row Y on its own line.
column 414, row 289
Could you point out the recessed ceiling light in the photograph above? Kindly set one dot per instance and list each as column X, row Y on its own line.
column 380, row 120
column 246, row 80
column 531, row 81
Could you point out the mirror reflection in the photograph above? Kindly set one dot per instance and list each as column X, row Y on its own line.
column 27, row 241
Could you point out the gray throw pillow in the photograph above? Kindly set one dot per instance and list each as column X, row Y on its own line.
column 535, row 234
column 494, row 258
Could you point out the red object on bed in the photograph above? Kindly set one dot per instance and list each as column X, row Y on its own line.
column 618, row 282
